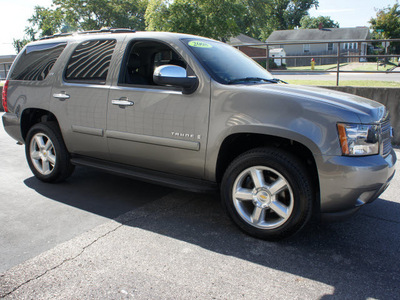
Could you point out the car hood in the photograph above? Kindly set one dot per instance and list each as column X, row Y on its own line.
column 367, row 110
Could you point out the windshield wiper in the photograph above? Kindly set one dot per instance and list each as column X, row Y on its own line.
column 279, row 80
column 254, row 79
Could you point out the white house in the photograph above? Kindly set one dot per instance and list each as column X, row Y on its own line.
column 352, row 41
column 5, row 65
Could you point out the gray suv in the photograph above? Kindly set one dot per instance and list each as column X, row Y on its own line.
column 196, row 114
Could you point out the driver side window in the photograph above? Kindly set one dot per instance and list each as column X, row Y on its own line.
column 142, row 58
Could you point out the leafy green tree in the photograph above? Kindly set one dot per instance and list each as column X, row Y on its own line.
column 74, row 15
column 18, row 44
column 251, row 18
column 265, row 16
column 285, row 14
column 211, row 18
column 313, row 22
column 95, row 14
column 218, row 19
column 45, row 21
column 222, row 19
column 388, row 20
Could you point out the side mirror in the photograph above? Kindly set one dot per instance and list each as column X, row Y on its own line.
column 175, row 76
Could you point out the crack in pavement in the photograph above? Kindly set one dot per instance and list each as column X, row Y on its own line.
column 63, row 262
column 122, row 223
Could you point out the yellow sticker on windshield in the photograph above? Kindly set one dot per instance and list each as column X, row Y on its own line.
column 199, row 44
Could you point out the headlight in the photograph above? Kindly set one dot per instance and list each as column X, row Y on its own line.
column 359, row 139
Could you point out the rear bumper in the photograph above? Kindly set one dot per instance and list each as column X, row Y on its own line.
column 347, row 183
column 12, row 126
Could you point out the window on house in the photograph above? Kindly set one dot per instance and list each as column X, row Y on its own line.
column 330, row 46
column 306, row 48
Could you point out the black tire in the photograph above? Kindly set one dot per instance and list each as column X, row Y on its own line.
column 267, row 193
column 51, row 163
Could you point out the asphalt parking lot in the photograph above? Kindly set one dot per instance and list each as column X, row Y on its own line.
column 103, row 236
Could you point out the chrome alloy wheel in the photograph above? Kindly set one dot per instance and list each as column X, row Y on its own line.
column 263, row 197
column 42, row 153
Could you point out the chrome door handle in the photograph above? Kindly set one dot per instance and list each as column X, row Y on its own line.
column 61, row 96
column 120, row 102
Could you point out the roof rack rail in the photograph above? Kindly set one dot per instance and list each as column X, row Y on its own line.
column 102, row 30
column 109, row 29
column 55, row 36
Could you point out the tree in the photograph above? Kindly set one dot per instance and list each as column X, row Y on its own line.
column 265, row 16
column 218, row 19
column 75, row 15
column 95, row 14
column 45, row 21
column 18, row 44
column 211, row 18
column 222, row 19
column 388, row 20
column 314, row 22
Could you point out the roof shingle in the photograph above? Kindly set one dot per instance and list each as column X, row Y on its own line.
column 331, row 34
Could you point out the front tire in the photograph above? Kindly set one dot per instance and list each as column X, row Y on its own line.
column 267, row 193
column 46, row 153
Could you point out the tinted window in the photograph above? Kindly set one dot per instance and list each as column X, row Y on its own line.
column 143, row 57
column 36, row 61
column 90, row 61
column 225, row 63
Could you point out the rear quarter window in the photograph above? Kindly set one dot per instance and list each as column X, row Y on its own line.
column 90, row 62
column 36, row 61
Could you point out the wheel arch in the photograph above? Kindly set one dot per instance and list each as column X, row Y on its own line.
column 32, row 116
column 238, row 143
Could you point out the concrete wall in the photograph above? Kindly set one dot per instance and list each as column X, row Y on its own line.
column 390, row 97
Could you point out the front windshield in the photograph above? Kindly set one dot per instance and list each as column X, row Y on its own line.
column 226, row 64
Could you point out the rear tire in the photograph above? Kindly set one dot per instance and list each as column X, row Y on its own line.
column 46, row 153
column 267, row 193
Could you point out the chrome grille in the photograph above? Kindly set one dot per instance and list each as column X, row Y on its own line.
column 386, row 137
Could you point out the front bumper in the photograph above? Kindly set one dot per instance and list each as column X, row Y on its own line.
column 347, row 183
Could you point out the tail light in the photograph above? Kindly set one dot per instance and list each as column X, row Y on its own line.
column 4, row 96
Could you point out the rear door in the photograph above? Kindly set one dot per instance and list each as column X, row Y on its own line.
column 79, row 97
column 157, row 127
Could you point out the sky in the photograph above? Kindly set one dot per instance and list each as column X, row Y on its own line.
column 349, row 13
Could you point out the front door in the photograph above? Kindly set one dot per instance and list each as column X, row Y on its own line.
column 156, row 127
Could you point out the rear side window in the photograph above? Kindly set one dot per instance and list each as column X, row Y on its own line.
column 90, row 61
column 36, row 61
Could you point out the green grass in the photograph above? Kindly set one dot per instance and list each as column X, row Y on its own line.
column 367, row 83
column 373, row 67
column 317, row 67
column 351, row 67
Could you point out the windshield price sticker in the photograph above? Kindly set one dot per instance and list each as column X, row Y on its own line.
column 199, row 44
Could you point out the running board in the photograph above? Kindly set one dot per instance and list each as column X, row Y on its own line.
column 165, row 179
